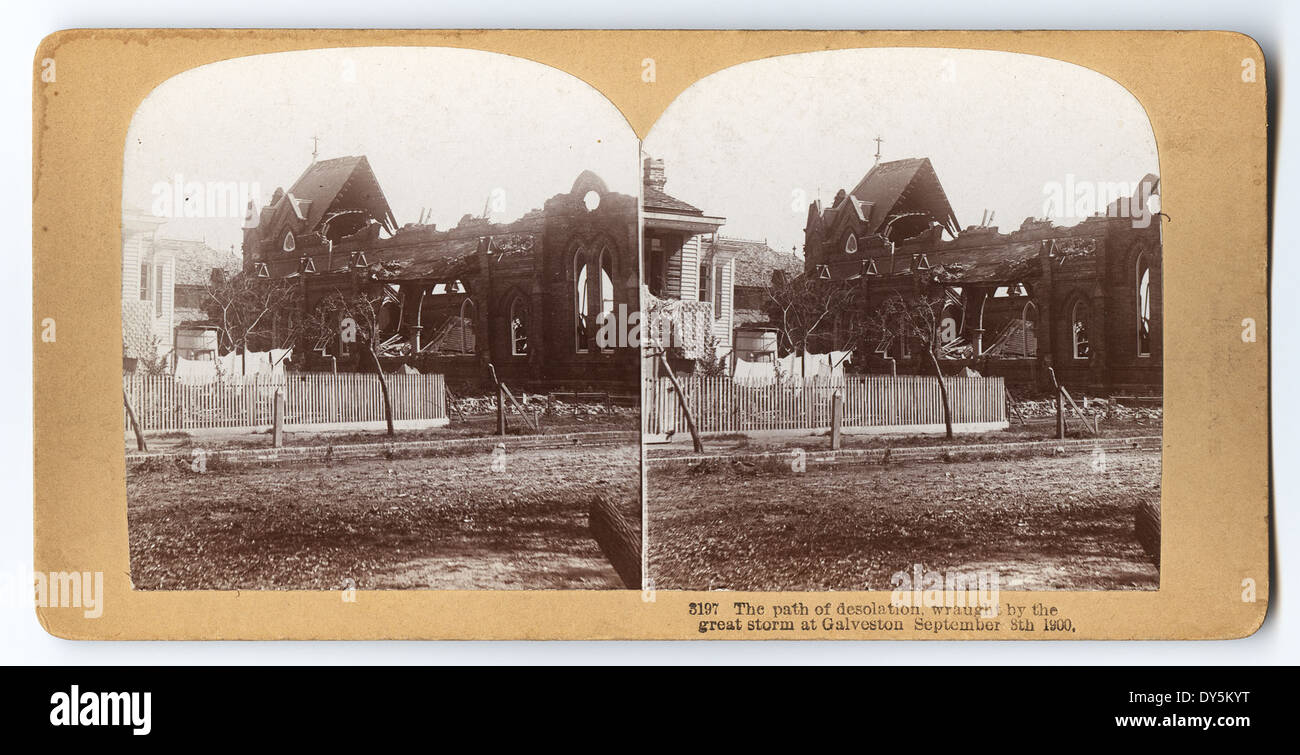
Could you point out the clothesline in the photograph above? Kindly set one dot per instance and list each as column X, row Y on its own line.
column 794, row 367
column 234, row 364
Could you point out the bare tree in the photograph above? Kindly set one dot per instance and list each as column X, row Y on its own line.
column 813, row 312
column 255, row 314
column 363, row 308
column 914, row 321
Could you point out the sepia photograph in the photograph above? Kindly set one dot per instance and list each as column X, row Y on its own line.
column 909, row 307
column 362, row 299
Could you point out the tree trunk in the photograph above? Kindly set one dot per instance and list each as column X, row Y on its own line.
column 383, row 389
column 617, row 539
column 943, row 392
column 140, row 445
column 681, row 400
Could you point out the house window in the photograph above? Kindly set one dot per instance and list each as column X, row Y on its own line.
column 718, row 298
column 1079, row 327
column 850, row 244
column 519, row 327
column 289, row 244
column 145, row 277
column 1143, row 307
column 580, row 310
column 655, row 267
column 706, row 274
column 158, row 290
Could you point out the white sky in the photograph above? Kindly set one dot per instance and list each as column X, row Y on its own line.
column 749, row 142
column 442, row 128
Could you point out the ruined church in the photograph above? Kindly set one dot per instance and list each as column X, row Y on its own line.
column 522, row 298
column 1081, row 303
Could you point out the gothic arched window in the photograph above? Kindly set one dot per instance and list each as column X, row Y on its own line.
column 1143, row 304
column 519, row 327
column 581, row 311
column 1079, row 328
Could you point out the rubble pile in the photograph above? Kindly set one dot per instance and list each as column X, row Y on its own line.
column 543, row 405
column 1097, row 407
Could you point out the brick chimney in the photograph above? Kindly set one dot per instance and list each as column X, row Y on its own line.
column 654, row 173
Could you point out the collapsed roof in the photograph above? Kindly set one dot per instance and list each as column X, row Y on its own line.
column 997, row 263
column 451, row 257
column 904, row 191
column 340, row 185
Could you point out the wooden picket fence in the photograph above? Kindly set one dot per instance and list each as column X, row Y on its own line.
column 721, row 405
column 163, row 402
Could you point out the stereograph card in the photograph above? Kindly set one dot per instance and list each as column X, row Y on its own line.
column 650, row 335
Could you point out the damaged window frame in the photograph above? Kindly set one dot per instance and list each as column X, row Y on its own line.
column 581, row 282
column 1143, row 305
column 1079, row 344
column 519, row 312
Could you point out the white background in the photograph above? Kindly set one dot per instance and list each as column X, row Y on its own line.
column 1272, row 23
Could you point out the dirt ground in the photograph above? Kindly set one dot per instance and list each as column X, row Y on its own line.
column 1042, row 523
column 444, row 523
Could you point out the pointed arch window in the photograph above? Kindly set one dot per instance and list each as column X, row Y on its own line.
column 606, row 284
column 465, row 328
column 1028, row 323
column 1143, row 306
column 581, row 312
column 1079, row 330
column 519, row 327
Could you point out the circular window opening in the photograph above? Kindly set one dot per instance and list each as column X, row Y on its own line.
column 850, row 244
column 1153, row 204
column 592, row 200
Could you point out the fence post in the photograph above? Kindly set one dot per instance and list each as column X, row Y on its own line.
column 837, row 416
column 250, row 400
column 1060, row 407
column 277, row 419
column 501, row 409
